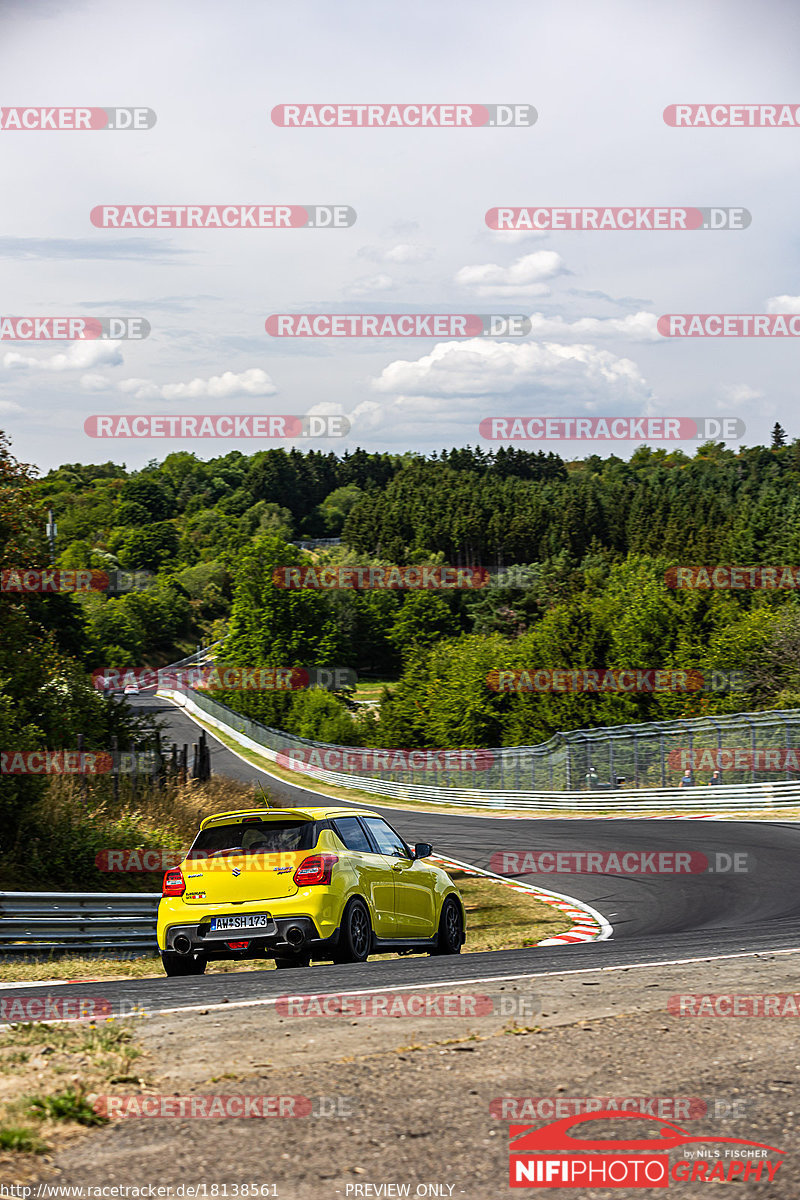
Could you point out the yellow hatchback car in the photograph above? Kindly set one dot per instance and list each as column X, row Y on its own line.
column 297, row 884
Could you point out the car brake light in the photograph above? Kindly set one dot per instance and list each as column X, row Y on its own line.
column 174, row 883
column 316, row 869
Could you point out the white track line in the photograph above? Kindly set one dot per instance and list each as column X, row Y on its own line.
column 269, row 1001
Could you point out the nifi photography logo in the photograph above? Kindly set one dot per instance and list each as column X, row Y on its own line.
column 552, row 1156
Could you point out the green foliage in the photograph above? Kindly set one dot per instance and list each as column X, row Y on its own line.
column 19, row 1140
column 64, row 1106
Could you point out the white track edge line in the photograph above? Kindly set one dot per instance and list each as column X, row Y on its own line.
column 267, row 1001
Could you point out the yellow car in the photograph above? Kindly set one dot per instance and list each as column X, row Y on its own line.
column 297, row 884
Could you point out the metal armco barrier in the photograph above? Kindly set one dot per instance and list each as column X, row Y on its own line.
column 45, row 924
column 727, row 798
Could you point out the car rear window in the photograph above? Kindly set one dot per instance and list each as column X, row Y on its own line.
column 262, row 838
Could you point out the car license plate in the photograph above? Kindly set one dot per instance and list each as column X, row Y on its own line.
column 240, row 921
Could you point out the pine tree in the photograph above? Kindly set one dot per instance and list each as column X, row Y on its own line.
column 778, row 436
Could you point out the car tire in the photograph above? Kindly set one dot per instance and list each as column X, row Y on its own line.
column 298, row 961
column 450, row 937
column 355, row 934
column 183, row 964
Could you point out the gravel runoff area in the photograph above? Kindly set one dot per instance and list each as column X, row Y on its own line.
column 407, row 1100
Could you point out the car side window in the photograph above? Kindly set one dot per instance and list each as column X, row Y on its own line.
column 352, row 834
column 387, row 840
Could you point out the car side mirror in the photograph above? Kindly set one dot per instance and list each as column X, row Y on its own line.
column 423, row 850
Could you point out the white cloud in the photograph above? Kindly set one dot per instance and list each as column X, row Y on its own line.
column 80, row 356
column 513, row 237
column 527, row 276
column 370, row 285
column 8, row 406
column 580, row 374
column 254, row 382
column 783, row 304
column 405, row 252
column 639, row 327
column 738, row 395
column 460, row 383
column 92, row 382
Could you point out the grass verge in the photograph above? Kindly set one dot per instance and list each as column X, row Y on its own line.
column 49, row 1077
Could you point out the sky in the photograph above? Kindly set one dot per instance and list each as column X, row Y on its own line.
column 599, row 74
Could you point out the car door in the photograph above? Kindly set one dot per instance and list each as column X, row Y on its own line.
column 414, row 882
column 376, row 879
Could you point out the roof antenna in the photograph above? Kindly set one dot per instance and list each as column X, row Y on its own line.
column 266, row 797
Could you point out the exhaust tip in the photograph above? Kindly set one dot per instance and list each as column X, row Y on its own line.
column 295, row 936
column 182, row 944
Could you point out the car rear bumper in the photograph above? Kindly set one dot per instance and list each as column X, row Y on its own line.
column 259, row 944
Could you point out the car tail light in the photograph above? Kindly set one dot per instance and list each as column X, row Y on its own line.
column 174, row 883
column 237, row 945
column 315, row 869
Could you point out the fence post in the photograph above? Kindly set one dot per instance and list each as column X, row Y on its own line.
column 134, row 780
column 84, row 781
column 635, row 760
column 115, row 767
column 184, row 762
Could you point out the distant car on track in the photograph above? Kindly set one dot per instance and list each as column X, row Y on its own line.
column 131, row 689
column 297, row 884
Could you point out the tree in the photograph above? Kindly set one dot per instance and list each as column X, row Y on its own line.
column 149, row 548
column 778, row 436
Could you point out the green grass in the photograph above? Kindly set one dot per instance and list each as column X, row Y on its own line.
column 20, row 1140
column 63, row 1106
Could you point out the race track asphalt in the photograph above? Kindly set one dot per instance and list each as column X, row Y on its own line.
column 655, row 917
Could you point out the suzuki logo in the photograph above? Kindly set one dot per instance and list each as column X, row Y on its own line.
column 236, row 871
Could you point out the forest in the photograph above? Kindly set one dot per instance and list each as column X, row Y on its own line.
column 578, row 556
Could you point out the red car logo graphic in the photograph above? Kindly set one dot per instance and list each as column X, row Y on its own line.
column 556, row 1136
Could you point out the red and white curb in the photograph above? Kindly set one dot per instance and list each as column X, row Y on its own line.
column 590, row 925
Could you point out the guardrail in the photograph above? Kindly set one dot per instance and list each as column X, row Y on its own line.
column 727, row 798
column 47, row 924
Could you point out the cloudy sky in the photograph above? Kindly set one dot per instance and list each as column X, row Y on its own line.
column 599, row 73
